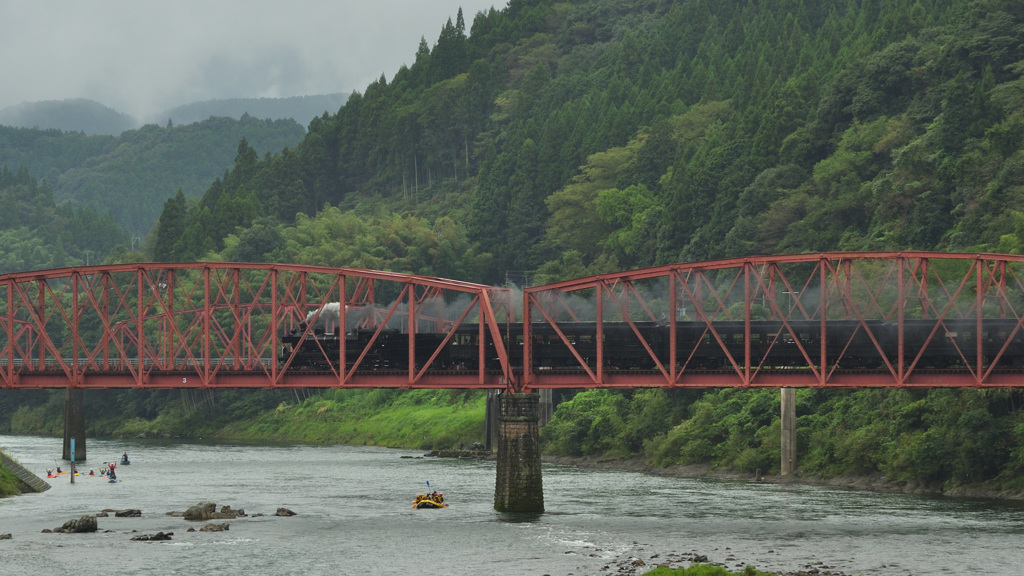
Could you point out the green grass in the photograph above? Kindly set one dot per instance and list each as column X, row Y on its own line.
column 422, row 419
column 9, row 483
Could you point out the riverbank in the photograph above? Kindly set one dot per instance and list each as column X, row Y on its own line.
column 10, row 484
column 874, row 483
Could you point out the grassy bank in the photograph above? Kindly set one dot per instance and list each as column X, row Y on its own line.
column 9, row 483
column 424, row 419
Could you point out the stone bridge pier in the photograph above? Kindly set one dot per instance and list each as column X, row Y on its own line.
column 518, row 486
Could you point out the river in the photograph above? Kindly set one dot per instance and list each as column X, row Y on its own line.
column 354, row 516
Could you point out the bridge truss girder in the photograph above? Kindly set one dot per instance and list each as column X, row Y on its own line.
column 218, row 325
column 899, row 310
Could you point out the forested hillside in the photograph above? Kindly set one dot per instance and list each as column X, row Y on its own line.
column 585, row 136
column 37, row 233
column 559, row 139
column 130, row 175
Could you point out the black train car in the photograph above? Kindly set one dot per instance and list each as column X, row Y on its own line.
column 774, row 346
column 952, row 344
column 849, row 345
column 389, row 351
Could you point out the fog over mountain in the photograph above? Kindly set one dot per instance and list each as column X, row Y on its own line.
column 91, row 117
column 302, row 109
column 142, row 58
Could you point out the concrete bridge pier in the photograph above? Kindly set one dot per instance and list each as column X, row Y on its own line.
column 74, row 423
column 518, row 486
column 546, row 411
column 788, row 467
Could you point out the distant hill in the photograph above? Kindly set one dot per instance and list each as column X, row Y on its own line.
column 93, row 118
column 73, row 115
column 302, row 109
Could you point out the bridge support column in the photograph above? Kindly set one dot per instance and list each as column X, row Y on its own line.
column 788, row 432
column 518, row 486
column 74, row 423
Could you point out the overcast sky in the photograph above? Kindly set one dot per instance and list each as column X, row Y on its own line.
column 141, row 56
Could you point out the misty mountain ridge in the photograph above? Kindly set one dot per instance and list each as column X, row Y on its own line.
column 71, row 115
column 302, row 109
column 91, row 117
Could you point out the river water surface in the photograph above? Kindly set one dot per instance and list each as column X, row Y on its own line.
column 354, row 516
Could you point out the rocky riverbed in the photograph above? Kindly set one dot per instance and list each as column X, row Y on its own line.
column 636, row 565
column 201, row 512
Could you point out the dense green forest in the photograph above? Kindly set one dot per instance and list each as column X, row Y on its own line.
column 37, row 233
column 129, row 176
column 591, row 136
column 556, row 139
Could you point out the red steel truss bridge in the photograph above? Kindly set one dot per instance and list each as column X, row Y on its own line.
column 221, row 325
column 894, row 319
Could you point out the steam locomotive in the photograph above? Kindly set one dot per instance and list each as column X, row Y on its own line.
column 849, row 344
